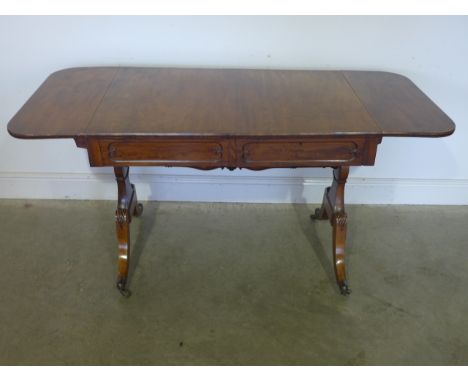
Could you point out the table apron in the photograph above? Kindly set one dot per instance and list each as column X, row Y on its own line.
column 252, row 153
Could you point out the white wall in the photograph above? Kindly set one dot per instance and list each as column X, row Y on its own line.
column 432, row 51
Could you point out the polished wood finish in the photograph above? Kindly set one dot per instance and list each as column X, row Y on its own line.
column 63, row 105
column 127, row 206
column 199, row 153
column 254, row 153
column 398, row 106
column 234, row 118
column 333, row 209
column 84, row 102
column 266, row 152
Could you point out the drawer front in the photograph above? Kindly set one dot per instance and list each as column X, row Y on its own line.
column 161, row 153
column 300, row 153
column 251, row 153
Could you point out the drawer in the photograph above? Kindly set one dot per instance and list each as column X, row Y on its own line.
column 160, row 152
column 301, row 153
column 253, row 153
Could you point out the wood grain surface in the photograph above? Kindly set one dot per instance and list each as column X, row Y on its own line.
column 127, row 101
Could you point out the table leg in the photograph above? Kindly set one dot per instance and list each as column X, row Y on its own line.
column 127, row 206
column 333, row 209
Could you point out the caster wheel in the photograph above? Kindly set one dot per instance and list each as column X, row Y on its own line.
column 122, row 288
column 138, row 210
column 344, row 289
column 316, row 214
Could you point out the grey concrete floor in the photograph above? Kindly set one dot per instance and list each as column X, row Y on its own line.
column 232, row 284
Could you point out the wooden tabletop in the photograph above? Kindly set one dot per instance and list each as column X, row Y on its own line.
column 128, row 101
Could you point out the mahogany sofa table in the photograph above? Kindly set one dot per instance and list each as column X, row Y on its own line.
column 233, row 118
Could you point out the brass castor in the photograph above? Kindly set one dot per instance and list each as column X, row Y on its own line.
column 121, row 286
column 344, row 289
column 316, row 214
column 138, row 210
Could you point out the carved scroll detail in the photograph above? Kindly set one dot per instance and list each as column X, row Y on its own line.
column 121, row 215
column 341, row 218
